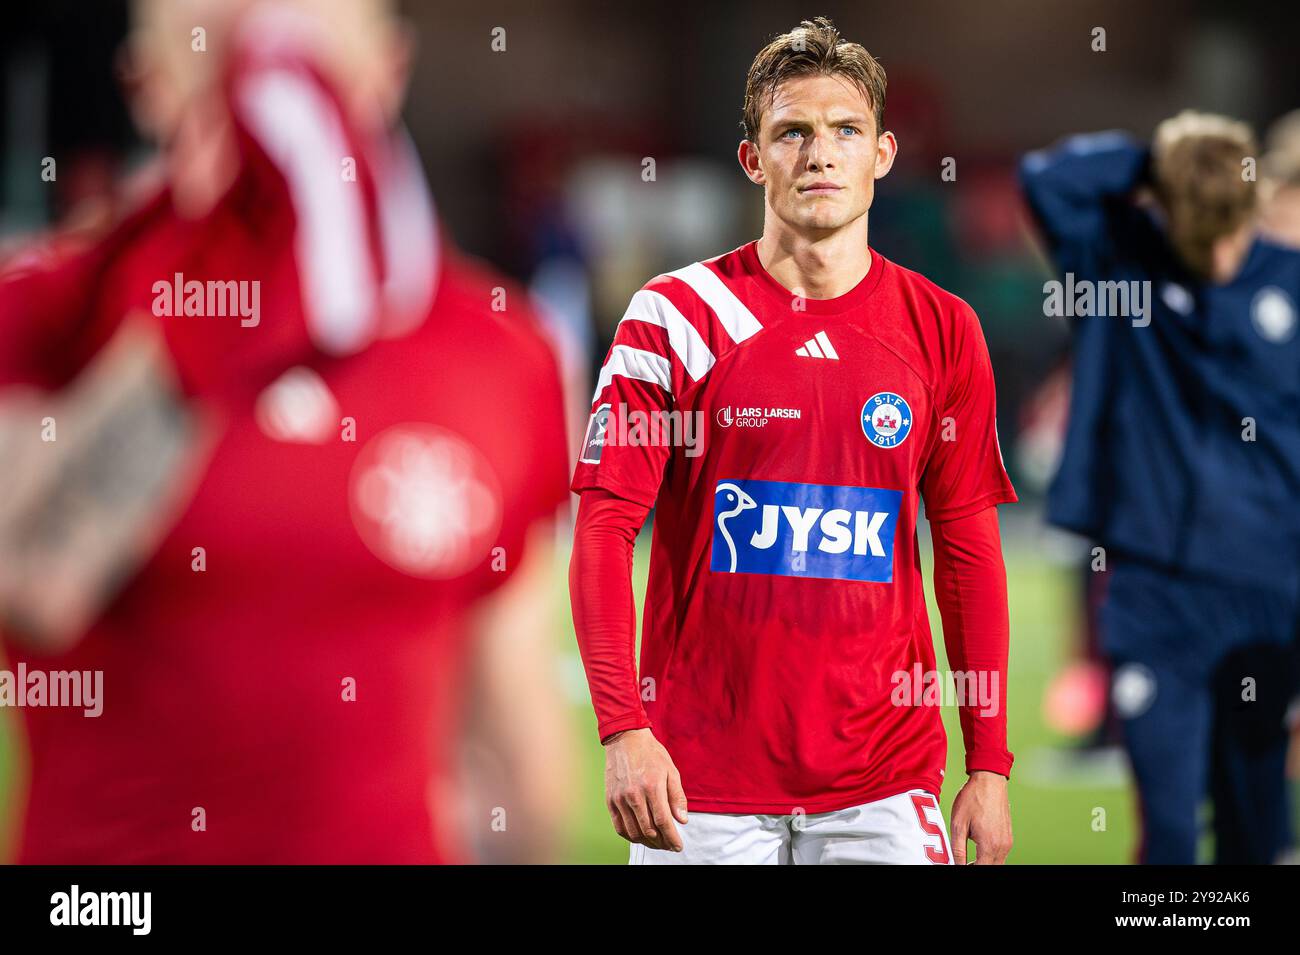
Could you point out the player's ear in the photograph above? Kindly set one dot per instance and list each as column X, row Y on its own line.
column 747, row 153
column 886, row 150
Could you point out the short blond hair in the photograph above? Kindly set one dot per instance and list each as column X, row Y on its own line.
column 1199, row 165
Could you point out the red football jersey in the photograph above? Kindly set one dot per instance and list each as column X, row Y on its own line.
column 786, row 444
column 386, row 440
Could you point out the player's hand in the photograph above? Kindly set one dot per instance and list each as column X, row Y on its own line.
column 982, row 814
column 643, row 790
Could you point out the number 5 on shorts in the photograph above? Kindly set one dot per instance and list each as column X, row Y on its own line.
column 921, row 802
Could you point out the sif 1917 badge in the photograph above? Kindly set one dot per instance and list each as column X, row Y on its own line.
column 886, row 419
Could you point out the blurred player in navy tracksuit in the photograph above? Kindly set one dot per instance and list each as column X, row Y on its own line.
column 1182, row 459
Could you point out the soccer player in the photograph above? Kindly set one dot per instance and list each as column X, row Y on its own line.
column 286, row 670
column 816, row 394
column 1182, row 460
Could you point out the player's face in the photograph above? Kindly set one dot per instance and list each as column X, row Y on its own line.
column 818, row 153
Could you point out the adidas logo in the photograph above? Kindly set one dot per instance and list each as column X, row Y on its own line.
column 819, row 346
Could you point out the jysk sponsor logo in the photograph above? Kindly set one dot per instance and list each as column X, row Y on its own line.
column 804, row 530
column 886, row 419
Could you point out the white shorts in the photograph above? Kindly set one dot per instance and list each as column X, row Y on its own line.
column 907, row 829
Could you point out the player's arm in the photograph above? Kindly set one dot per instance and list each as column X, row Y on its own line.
column 292, row 124
column 643, row 790
column 517, row 723
column 970, row 584
column 619, row 482
column 100, row 447
column 963, row 482
column 1081, row 193
column 47, row 298
column 517, row 743
column 1070, row 187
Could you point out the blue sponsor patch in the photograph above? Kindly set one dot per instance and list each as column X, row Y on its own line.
column 804, row 530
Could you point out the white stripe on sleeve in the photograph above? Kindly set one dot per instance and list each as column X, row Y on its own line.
column 300, row 130
column 683, row 337
column 629, row 362
column 738, row 320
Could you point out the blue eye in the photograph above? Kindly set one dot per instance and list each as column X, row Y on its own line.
column 788, row 132
column 852, row 131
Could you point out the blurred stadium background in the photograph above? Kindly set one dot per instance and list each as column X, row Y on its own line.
column 536, row 153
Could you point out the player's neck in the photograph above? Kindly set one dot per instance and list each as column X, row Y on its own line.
column 1229, row 255
column 817, row 266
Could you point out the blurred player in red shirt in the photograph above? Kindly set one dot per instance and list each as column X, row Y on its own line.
column 361, row 456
